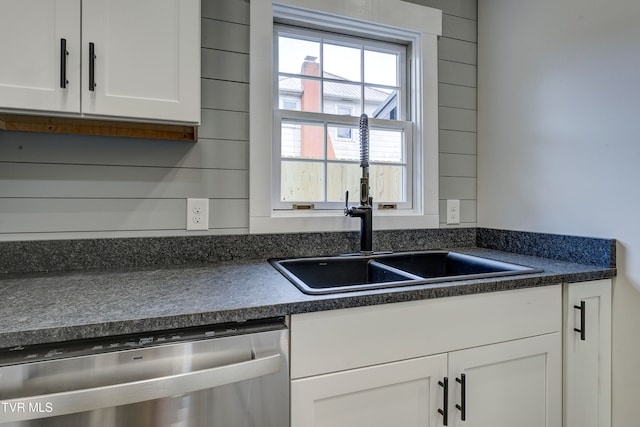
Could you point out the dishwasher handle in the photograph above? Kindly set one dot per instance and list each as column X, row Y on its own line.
column 73, row 401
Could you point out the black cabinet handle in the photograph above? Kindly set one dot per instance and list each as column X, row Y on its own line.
column 63, row 63
column 92, row 67
column 445, row 401
column 462, row 407
column 583, row 314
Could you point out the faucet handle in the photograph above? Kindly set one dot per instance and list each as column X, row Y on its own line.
column 346, row 202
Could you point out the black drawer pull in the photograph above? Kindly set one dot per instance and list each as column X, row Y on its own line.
column 583, row 313
column 462, row 407
column 92, row 67
column 63, row 63
column 445, row 401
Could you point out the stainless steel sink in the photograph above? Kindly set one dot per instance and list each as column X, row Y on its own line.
column 326, row 275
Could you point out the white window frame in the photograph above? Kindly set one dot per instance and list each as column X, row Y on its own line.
column 324, row 119
column 393, row 20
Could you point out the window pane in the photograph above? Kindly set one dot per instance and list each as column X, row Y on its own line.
column 381, row 68
column 303, row 93
column 301, row 140
column 341, row 146
column 381, row 103
column 332, row 76
column 341, row 62
column 291, row 104
column 386, row 146
column 386, row 183
column 301, row 181
column 345, row 95
column 344, row 110
column 297, row 56
column 340, row 178
column 345, row 133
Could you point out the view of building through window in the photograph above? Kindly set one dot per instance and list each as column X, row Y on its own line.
column 323, row 77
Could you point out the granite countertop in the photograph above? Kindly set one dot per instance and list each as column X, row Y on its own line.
column 59, row 306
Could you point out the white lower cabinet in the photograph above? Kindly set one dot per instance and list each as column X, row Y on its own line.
column 514, row 383
column 538, row 357
column 404, row 393
column 587, row 354
column 388, row 365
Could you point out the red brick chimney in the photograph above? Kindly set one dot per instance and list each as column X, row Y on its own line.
column 312, row 136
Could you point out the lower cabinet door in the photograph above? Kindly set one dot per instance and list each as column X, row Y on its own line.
column 587, row 354
column 405, row 393
column 514, row 383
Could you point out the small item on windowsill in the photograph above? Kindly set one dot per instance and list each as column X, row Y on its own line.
column 387, row 206
column 303, row 206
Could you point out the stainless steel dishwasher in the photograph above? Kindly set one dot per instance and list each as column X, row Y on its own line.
column 231, row 375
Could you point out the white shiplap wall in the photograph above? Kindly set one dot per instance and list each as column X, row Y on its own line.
column 59, row 186
column 457, row 72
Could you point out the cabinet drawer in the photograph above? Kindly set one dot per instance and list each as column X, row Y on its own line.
column 336, row 340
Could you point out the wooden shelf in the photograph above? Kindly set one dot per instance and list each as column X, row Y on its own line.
column 61, row 125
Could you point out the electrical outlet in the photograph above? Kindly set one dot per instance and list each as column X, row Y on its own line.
column 453, row 211
column 197, row 214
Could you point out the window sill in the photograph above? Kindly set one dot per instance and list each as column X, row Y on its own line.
column 326, row 221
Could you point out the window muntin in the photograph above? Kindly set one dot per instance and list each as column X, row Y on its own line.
column 337, row 78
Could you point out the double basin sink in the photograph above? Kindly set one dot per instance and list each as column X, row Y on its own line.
column 346, row 273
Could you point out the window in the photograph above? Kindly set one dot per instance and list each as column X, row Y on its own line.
column 337, row 75
column 331, row 61
column 289, row 103
column 344, row 110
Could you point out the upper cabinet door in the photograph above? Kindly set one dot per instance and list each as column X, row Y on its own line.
column 146, row 59
column 36, row 73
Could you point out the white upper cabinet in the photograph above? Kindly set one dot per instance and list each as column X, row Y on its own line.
column 36, row 34
column 146, row 59
column 145, row 64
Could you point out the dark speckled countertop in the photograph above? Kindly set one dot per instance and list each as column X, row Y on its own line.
column 44, row 307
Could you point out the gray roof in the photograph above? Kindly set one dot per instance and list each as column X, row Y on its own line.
column 293, row 85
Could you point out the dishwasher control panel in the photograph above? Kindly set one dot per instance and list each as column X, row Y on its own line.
column 84, row 347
